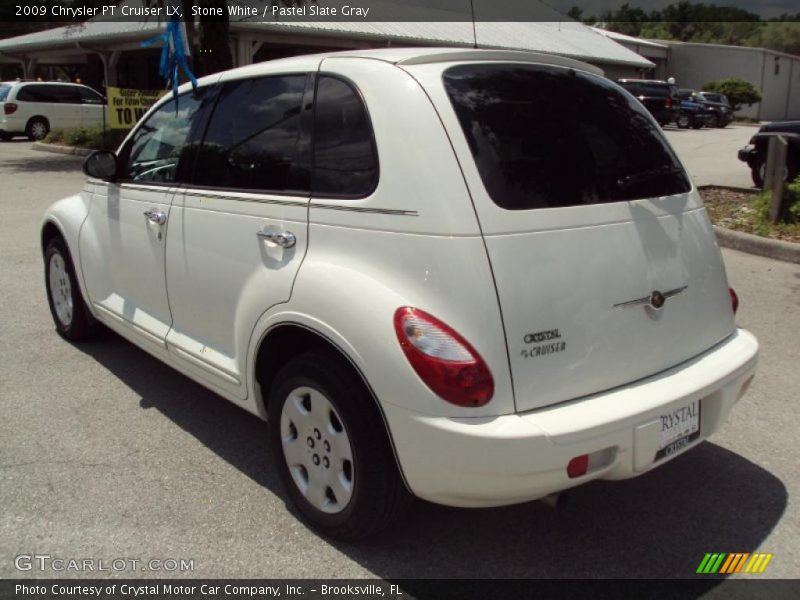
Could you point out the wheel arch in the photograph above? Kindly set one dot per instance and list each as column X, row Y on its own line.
column 286, row 339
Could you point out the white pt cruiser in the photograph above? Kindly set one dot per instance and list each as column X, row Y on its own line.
column 474, row 277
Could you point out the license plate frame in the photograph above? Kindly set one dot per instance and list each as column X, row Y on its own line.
column 684, row 430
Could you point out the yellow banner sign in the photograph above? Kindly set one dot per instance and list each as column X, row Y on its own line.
column 126, row 107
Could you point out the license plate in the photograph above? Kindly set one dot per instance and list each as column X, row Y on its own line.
column 679, row 428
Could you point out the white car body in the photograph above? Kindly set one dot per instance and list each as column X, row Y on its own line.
column 27, row 102
column 204, row 294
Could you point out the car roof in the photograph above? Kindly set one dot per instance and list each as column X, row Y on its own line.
column 644, row 81
column 417, row 56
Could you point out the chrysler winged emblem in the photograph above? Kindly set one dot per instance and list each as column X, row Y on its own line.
column 655, row 300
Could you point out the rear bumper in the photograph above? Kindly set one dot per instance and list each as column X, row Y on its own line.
column 492, row 461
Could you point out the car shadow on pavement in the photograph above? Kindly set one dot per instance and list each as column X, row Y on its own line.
column 659, row 525
column 47, row 163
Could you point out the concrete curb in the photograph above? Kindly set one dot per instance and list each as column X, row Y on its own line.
column 754, row 244
column 57, row 149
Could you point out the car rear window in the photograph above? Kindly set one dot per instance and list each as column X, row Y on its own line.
column 546, row 137
column 4, row 89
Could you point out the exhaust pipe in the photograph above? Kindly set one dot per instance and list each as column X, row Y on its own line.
column 557, row 501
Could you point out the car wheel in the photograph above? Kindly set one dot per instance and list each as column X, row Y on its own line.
column 331, row 449
column 759, row 170
column 4, row 137
column 37, row 129
column 713, row 121
column 72, row 318
column 683, row 121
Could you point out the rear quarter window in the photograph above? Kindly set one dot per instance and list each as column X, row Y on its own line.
column 545, row 137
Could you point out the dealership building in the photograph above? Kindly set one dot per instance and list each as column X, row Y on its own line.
column 103, row 52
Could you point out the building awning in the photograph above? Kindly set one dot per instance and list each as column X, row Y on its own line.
column 570, row 39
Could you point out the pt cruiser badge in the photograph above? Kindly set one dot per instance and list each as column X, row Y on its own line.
column 655, row 300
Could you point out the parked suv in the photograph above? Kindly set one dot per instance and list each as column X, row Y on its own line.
column 755, row 153
column 694, row 113
column 659, row 97
column 719, row 106
column 34, row 108
column 385, row 254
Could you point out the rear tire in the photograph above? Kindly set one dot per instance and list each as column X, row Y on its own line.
column 683, row 121
column 73, row 320
column 714, row 121
column 331, row 449
column 4, row 137
column 37, row 129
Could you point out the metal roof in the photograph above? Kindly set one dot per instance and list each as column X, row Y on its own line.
column 570, row 39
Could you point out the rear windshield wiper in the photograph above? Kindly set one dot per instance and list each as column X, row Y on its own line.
column 629, row 180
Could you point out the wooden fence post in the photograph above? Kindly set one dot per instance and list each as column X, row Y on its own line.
column 774, row 174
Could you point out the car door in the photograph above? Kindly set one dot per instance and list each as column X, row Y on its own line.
column 123, row 240
column 63, row 106
column 239, row 231
column 92, row 107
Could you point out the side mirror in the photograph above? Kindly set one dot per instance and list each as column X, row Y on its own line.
column 101, row 165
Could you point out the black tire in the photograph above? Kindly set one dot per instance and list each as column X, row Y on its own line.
column 37, row 129
column 714, row 121
column 755, row 173
column 82, row 325
column 378, row 495
column 683, row 121
column 4, row 137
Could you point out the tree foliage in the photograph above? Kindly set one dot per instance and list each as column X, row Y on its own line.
column 737, row 90
column 705, row 23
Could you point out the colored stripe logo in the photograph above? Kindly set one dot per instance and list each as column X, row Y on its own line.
column 736, row 562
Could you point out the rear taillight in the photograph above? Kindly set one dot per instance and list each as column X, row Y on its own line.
column 734, row 300
column 668, row 103
column 443, row 359
column 9, row 108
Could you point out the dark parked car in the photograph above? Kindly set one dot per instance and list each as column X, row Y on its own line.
column 659, row 97
column 693, row 114
column 717, row 107
column 755, row 153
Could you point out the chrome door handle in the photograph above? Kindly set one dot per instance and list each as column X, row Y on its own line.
column 284, row 239
column 156, row 216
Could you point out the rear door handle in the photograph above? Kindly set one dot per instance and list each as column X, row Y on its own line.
column 284, row 239
column 156, row 216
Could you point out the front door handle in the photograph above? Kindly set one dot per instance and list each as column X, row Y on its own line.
column 284, row 239
column 156, row 216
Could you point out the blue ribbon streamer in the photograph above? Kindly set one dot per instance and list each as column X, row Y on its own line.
column 173, row 57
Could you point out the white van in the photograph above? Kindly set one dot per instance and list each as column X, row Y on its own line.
column 35, row 108
column 476, row 277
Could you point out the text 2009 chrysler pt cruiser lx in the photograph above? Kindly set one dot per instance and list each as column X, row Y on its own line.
column 475, row 277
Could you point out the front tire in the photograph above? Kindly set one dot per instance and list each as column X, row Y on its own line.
column 72, row 319
column 714, row 121
column 683, row 121
column 331, row 448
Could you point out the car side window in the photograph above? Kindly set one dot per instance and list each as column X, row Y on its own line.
column 158, row 151
column 255, row 139
column 35, row 93
column 89, row 96
column 345, row 157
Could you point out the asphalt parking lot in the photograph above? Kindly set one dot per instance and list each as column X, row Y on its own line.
column 107, row 453
column 710, row 154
